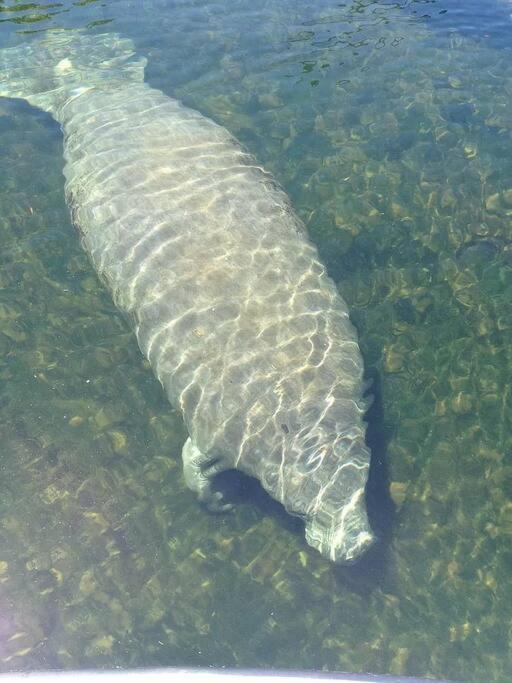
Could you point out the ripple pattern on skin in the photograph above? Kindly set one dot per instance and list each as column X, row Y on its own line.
column 231, row 305
column 228, row 299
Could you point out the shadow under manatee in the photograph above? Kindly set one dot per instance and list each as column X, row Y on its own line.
column 240, row 488
column 370, row 570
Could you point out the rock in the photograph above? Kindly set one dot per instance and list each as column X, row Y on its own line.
column 493, row 202
column 398, row 492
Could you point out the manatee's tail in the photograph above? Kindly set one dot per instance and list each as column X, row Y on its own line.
column 49, row 71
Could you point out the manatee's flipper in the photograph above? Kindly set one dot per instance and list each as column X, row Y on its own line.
column 200, row 470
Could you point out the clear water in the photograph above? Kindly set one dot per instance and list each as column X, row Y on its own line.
column 389, row 124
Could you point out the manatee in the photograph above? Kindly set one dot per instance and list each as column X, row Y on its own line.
column 202, row 251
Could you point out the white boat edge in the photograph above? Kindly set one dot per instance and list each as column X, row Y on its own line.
column 206, row 675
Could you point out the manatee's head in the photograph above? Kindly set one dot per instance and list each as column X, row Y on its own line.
column 340, row 533
column 322, row 477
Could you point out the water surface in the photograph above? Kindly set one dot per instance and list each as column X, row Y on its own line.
column 389, row 125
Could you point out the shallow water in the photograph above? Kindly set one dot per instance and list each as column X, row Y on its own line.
column 389, row 125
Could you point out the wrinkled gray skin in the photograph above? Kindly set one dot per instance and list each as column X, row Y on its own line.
column 202, row 250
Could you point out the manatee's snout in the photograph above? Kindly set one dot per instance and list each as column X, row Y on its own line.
column 342, row 536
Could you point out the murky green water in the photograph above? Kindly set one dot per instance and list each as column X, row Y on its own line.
column 390, row 127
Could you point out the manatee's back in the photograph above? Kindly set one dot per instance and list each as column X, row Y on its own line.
column 230, row 304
